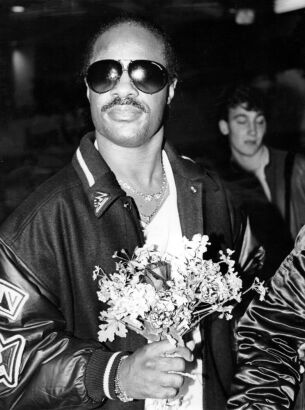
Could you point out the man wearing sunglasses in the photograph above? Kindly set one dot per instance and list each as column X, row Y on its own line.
column 125, row 186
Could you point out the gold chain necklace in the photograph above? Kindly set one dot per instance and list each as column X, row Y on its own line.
column 147, row 197
column 146, row 219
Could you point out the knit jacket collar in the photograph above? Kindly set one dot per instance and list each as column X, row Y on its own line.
column 102, row 188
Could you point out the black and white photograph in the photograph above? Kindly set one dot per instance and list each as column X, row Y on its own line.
column 152, row 204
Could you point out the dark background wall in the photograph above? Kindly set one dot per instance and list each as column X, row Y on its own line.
column 43, row 109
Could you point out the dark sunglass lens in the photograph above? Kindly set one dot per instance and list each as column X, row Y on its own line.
column 148, row 76
column 103, row 75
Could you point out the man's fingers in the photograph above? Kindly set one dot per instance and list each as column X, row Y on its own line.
column 167, row 349
column 161, row 347
column 182, row 352
column 166, row 393
column 171, row 380
column 148, row 372
column 171, row 364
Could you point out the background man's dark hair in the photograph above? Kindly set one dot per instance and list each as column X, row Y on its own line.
column 169, row 52
column 242, row 94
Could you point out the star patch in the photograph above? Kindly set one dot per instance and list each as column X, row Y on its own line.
column 11, row 351
column 12, row 300
column 100, row 200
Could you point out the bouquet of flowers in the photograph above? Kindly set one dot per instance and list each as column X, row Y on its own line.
column 164, row 296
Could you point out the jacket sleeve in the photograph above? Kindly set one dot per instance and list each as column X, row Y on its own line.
column 297, row 194
column 269, row 335
column 41, row 365
column 249, row 253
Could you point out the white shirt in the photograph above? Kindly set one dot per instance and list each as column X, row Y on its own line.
column 165, row 231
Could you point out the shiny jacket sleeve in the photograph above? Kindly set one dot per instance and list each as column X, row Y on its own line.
column 35, row 350
column 269, row 335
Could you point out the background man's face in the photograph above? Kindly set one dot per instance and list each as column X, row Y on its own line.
column 246, row 130
column 128, row 125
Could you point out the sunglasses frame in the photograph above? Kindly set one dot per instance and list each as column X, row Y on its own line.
column 127, row 68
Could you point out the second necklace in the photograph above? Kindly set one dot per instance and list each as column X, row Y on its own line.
column 147, row 197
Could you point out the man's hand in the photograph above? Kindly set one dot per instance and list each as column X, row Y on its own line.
column 147, row 373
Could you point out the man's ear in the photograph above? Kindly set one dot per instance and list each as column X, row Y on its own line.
column 88, row 90
column 224, row 127
column 171, row 91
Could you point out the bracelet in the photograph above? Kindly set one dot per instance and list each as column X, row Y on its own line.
column 121, row 395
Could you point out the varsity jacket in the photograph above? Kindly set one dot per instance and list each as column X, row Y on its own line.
column 50, row 357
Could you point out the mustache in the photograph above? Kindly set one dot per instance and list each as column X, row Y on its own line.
column 124, row 101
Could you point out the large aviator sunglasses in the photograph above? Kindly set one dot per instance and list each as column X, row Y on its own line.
column 147, row 76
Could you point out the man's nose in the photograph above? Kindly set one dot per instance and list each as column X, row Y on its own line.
column 252, row 128
column 124, row 86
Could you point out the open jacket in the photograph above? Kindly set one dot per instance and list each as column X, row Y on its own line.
column 274, row 223
column 49, row 354
column 269, row 336
column 285, row 175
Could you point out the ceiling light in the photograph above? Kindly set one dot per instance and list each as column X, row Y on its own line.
column 245, row 16
column 17, row 9
column 283, row 6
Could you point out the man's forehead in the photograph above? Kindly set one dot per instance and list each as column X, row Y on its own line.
column 243, row 108
column 129, row 38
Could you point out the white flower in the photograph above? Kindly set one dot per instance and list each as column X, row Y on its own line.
column 112, row 329
column 162, row 296
column 96, row 272
column 259, row 288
